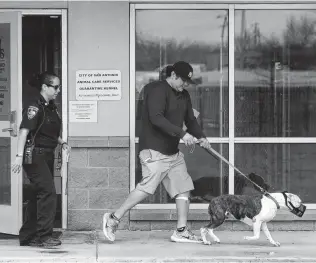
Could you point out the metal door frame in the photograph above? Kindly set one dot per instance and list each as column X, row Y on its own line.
column 64, row 93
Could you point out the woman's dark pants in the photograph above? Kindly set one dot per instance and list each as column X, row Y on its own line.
column 41, row 207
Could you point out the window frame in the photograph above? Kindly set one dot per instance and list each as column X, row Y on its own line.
column 231, row 140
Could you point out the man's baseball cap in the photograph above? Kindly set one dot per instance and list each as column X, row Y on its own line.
column 184, row 71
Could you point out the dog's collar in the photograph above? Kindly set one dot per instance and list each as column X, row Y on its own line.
column 273, row 199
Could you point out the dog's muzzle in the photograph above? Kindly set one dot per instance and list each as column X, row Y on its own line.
column 298, row 211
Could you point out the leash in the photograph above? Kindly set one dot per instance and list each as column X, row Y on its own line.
column 211, row 151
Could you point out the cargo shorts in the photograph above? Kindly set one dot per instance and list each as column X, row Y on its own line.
column 171, row 170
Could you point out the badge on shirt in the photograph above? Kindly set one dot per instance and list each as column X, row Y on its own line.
column 31, row 112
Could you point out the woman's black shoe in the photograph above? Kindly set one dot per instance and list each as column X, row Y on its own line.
column 31, row 243
column 50, row 242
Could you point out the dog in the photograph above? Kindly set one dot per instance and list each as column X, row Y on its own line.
column 253, row 210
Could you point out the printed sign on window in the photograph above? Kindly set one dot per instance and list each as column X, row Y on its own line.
column 83, row 111
column 98, row 85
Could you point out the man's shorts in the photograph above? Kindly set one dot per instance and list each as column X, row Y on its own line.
column 171, row 170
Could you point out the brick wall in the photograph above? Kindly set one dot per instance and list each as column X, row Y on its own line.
column 98, row 180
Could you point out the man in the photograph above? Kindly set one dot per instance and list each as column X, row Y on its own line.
column 167, row 105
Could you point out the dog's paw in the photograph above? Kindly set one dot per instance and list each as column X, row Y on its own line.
column 276, row 244
column 217, row 241
column 207, row 242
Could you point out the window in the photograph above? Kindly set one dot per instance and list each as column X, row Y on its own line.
column 159, row 44
column 275, row 77
column 255, row 96
column 284, row 166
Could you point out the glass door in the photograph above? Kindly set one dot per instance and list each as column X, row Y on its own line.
column 10, row 115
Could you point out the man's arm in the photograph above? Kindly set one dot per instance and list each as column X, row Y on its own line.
column 190, row 121
column 156, row 103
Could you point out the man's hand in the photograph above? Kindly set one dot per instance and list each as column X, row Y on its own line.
column 188, row 139
column 204, row 143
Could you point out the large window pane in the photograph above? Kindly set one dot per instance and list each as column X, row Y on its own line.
column 209, row 175
column 275, row 77
column 199, row 37
column 290, row 167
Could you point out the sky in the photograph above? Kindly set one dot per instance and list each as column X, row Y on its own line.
column 205, row 25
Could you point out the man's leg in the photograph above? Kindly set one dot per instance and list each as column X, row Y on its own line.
column 183, row 233
column 135, row 197
column 111, row 221
column 178, row 184
column 182, row 204
column 153, row 170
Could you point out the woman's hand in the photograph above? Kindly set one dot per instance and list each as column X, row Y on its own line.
column 66, row 148
column 17, row 165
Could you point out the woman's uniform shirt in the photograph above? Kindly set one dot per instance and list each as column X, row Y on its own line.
column 43, row 121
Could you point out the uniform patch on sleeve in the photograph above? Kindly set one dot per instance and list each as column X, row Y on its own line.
column 31, row 112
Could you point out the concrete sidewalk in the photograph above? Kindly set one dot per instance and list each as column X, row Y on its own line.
column 155, row 246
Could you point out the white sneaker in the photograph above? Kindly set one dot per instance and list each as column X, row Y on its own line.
column 185, row 237
column 109, row 226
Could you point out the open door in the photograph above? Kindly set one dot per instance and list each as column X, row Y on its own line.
column 10, row 117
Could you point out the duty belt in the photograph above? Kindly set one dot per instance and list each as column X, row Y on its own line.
column 43, row 150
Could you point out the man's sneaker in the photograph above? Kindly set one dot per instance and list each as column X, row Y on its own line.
column 185, row 237
column 109, row 226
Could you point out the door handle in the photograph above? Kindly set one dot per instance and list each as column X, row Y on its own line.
column 7, row 129
column 13, row 128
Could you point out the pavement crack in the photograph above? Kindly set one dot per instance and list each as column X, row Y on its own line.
column 96, row 245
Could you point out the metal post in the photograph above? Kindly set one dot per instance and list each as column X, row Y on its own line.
column 221, row 103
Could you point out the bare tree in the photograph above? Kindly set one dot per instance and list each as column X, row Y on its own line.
column 300, row 32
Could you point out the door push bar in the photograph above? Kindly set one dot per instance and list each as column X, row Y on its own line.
column 13, row 126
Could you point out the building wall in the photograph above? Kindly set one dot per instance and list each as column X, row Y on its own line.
column 98, row 38
column 98, row 178
column 99, row 163
column 98, row 170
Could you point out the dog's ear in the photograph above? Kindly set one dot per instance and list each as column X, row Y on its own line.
column 259, row 181
column 266, row 187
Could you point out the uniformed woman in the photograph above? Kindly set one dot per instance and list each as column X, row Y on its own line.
column 38, row 137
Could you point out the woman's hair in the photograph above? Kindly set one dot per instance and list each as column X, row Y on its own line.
column 43, row 78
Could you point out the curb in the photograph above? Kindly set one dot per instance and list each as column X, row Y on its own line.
column 48, row 260
column 207, row 260
column 155, row 260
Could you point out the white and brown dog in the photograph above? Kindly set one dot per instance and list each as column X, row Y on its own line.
column 255, row 211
